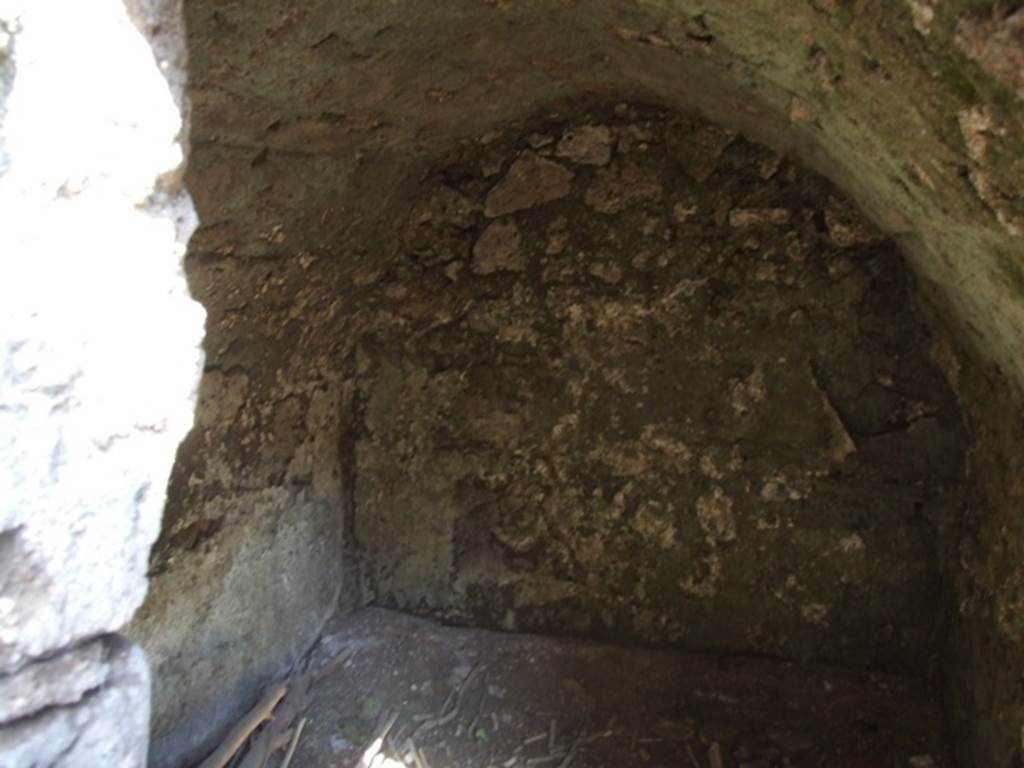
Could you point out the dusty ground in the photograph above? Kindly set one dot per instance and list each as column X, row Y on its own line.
column 466, row 698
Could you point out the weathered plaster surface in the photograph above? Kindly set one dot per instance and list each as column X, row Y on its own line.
column 107, row 725
column 100, row 358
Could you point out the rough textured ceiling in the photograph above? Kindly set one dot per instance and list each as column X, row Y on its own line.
column 912, row 108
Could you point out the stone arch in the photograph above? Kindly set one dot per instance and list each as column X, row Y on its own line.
column 313, row 127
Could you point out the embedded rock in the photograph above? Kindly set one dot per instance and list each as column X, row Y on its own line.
column 587, row 145
column 531, row 181
column 498, row 249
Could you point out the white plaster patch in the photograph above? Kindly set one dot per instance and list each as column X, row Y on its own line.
column 852, row 543
column 746, row 393
column 924, row 14
column 714, row 511
column 652, row 523
column 815, row 613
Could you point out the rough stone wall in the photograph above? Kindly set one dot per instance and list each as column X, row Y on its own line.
column 249, row 564
column 984, row 695
column 636, row 377
column 100, row 358
column 315, row 123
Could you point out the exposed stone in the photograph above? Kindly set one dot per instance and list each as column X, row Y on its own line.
column 587, row 145
column 746, row 217
column 995, row 39
column 978, row 129
column 531, row 181
column 619, row 187
column 498, row 249
column 975, row 123
column 109, row 725
column 840, row 443
column 846, row 228
column 770, row 166
column 697, row 146
column 924, row 14
column 60, row 681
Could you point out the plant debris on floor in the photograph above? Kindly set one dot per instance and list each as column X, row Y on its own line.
column 383, row 689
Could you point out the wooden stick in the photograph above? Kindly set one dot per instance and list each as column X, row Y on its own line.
column 253, row 718
column 449, row 715
column 479, row 707
column 412, row 753
column 715, row 756
column 377, row 744
column 388, row 725
column 295, row 742
column 262, row 746
column 571, row 755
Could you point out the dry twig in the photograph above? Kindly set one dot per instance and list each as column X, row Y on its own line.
column 269, row 739
column 295, row 743
column 571, row 754
column 715, row 756
column 447, row 717
column 479, row 708
column 253, row 718
column 377, row 744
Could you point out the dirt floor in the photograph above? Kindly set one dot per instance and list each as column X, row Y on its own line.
column 455, row 698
